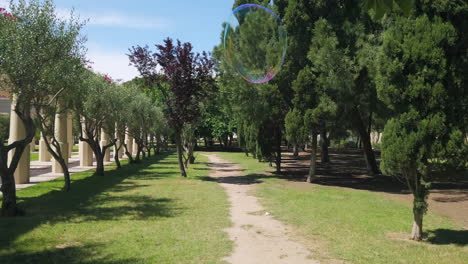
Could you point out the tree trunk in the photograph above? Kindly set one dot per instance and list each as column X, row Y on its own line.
column 313, row 159
column 180, row 151
column 295, row 150
column 99, row 163
column 9, row 206
column 127, row 153
column 66, row 176
column 417, row 233
column 66, row 173
column 324, row 153
column 365, row 139
column 278, row 149
column 116, row 156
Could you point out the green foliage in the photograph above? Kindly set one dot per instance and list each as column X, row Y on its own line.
column 381, row 7
column 294, row 125
column 411, row 81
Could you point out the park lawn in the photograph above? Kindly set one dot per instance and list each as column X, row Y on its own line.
column 353, row 225
column 143, row 213
column 34, row 156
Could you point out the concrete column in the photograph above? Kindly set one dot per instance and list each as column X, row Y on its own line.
column 129, row 142
column 105, row 141
column 18, row 132
column 44, row 154
column 121, row 151
column 61, row 135
column 135, row 147
column 86, row 153
column 33, row 145
column 70, row 140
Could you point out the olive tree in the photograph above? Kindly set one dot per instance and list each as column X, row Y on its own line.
column 40, row 52
column 98, row 110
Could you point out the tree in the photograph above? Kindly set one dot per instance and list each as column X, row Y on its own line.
column 256, row 110
column 180, row 75
column 294, row 124
column 36, row 47
column 98, row 109
column 419, row 81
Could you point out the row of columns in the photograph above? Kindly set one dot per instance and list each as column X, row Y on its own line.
column 63, row 132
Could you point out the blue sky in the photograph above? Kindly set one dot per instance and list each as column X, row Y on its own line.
column 116, row 25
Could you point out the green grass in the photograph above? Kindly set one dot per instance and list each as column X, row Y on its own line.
column 143, row 213
column 356, row 226
column 34, row 156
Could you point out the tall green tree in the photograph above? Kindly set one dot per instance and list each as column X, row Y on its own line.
column 420, row 80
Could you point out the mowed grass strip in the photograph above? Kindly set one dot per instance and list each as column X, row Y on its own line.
column 353, row 225
column 143, row 213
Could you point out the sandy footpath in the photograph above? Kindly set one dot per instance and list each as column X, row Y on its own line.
column 258, row 237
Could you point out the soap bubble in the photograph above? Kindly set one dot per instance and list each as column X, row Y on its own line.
column 255, row 42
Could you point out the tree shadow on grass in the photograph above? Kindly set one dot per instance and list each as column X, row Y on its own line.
column 67, row 252
column 57, row 206
column 447, row 236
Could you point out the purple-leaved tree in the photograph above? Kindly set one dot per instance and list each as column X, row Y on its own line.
column 181, row 76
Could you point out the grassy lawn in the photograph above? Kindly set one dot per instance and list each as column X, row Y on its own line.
column 353, row 225
column 34, row 156
column 142, row 213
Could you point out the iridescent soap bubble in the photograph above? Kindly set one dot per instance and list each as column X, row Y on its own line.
column 255, row 42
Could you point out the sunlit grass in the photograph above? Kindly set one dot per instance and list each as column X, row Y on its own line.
column 354, row 225
column 144, row 213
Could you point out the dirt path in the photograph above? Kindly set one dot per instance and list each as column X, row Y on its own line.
column 258, row 237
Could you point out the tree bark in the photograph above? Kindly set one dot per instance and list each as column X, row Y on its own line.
column 66, row 174
column 9, row 206
column 278, row 149
column 365, row 139
column 116, row 156
column 324, row 146
column 99, row 164
column 127, row 153
column 295, row 150
column 417, row 233
column 313, row 159
column 180, row 151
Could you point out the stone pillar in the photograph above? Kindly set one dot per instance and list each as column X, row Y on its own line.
column 135, row 147
column 44, row 154
column 86, row 153
column 61, row 136
column 129, row 142
column 33, row 145
column 18, row 132
column 105, row 141
column 121, row 151
column 70, row 140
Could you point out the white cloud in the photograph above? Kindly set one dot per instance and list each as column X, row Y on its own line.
column 114, row 19
column 114, row 63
